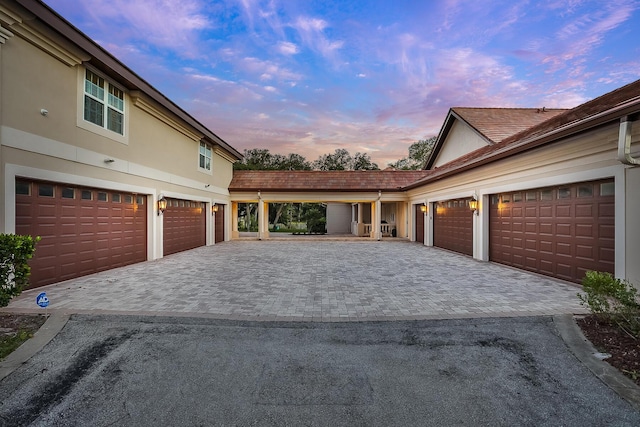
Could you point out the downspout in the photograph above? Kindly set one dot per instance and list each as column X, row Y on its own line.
column 624, row 143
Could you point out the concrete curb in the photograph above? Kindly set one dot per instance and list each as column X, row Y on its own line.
column 584, row 351
column 50, row 329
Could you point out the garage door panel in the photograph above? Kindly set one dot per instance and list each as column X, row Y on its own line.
column 77, row 234
column 517, row 227
column 219, row 224
column 585, row 252
column 607, row 255
column 563, row 211
column 545, row 211
column 606, row 231
column 563, row 249
column 546, row 228
column 606, row 210
column 546, row 267
column 46, row 211
column 563, row 229
column 184, row 225
column 453, row 226
column 572, row 229
column 518, row 260
column 584, row 211
column 585, row 230
column 531, row 263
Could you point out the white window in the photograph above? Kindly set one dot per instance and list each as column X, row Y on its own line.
column 205, row 157
column 103, row 103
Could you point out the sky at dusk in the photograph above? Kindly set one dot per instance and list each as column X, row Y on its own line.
column 374, row 76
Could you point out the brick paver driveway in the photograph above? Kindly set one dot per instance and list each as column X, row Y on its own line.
column 313, row 280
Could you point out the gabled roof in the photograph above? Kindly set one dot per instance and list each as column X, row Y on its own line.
column 335, row 181
column 107, row 63
column 492, row 124
column 605, row 109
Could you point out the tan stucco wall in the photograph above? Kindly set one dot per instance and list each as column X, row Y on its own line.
column 338, row 218
column 151, row 142
column 157, row 155
column 460, row 141
column 26, row 89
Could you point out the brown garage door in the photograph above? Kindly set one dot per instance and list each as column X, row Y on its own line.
column 558, row 231
column 220, row 224
column 419, row 225
column 453, row 226
column 184, row 225
column 83, row 230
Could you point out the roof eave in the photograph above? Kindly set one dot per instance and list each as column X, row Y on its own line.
column 579, row 126
column 101, row 57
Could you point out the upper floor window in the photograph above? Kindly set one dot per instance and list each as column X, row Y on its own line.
column 103, row 103
column 205, row 157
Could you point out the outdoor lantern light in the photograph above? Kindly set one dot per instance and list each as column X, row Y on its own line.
column 473, row 204
column 214, row 208
column 162, row 205
column 423, row 208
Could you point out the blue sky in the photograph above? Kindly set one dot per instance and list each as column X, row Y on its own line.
column 310, row 76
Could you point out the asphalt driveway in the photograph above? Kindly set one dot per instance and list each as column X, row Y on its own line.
column 310, row 333
column 150, row 371
column 312, row 281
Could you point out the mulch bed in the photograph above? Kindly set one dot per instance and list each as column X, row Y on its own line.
column 608, row 338
column 17, row 328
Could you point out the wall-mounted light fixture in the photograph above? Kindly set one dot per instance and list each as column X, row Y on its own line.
column 44, row 112
column 423, row 208
column 214, row 208
column 162, row 205
column 473, row 204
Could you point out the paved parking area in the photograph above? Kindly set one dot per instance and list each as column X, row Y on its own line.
column 312, row 281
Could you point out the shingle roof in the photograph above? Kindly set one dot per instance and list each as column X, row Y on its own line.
column 338, row 181
column 496, row 124
column 599, row 111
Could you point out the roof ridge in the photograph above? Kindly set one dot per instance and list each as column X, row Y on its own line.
column 508, row 108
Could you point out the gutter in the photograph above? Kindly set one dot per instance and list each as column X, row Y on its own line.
column 624, row 143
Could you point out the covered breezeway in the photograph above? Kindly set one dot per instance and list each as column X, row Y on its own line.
column 361, row 203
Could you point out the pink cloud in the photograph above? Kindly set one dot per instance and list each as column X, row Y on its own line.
column 585, row 33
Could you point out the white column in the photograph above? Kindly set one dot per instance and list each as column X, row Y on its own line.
column 260, row 219
column 211, row 237
column 377, row 220
column 265, row 210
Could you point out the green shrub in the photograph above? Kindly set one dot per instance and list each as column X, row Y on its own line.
column 15, row 251
column 613, row 299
